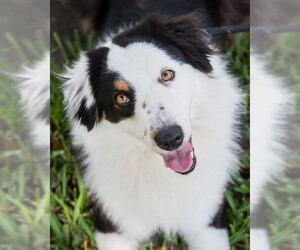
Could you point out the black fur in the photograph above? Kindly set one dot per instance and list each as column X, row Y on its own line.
column 102, row 84
column 120, row 11
column 179, row 36
column 217, row 12
column 102, row 222
column 87, row 117
column 79, row 155
column 258, row 217
column 219, row 221
column 173, row 25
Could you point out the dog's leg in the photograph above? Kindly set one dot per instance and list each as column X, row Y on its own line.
column 210, row 239
column 259, row 239
column 214, row 236
column 115, row 241
column 107, row 233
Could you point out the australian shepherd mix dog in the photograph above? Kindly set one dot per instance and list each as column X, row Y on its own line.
column 154, row 111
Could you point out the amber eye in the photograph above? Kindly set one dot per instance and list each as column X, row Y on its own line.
column 121, row 99
column 167, row 75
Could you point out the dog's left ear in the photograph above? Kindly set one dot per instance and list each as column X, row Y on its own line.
column 185, row 34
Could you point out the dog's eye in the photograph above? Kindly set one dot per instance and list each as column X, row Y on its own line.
column 121, row 99
column 167, row 75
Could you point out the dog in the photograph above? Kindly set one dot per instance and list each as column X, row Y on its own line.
column 155, row 114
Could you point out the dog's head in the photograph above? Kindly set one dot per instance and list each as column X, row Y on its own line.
column 143, row 82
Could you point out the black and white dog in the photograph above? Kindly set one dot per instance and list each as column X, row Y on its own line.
column 154, row 110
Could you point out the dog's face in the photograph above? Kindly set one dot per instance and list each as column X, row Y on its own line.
column 143, row 84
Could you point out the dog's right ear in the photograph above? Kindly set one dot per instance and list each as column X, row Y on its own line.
column 79, row 96
column 79, row 100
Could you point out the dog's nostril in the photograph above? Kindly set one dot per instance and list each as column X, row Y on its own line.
column 170, row 138
column 178, row 139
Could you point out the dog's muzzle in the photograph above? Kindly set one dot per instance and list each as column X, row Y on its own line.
column 181, row 157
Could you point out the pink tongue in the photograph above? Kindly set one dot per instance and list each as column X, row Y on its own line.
column 180, row 160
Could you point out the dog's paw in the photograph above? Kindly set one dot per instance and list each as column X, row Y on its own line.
column 259, row 239
column 210, row 239
column 114, row 241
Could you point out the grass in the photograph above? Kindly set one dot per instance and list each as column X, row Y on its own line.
column 24, row 187
column 71, row 225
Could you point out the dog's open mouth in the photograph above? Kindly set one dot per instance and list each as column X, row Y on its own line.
column 182, row 160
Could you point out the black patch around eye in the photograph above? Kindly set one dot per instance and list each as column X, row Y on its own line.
column 101, row 81
column 102, row 84
column 115, row 114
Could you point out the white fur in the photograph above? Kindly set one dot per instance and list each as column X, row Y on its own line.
column 75, row 89
column 259, row 239
column 268, row 108
column 35, row 96
column 125, row 171
column 115, row 241
column 211, row 239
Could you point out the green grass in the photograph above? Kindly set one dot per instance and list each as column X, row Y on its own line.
column 24, row 187
column 71, row 225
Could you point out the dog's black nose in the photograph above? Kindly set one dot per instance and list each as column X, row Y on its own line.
column 170, row 138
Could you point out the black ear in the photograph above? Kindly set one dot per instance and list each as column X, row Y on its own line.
column 185, row 34
column 87, row 116
column 180, row 36
column 79, row 93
